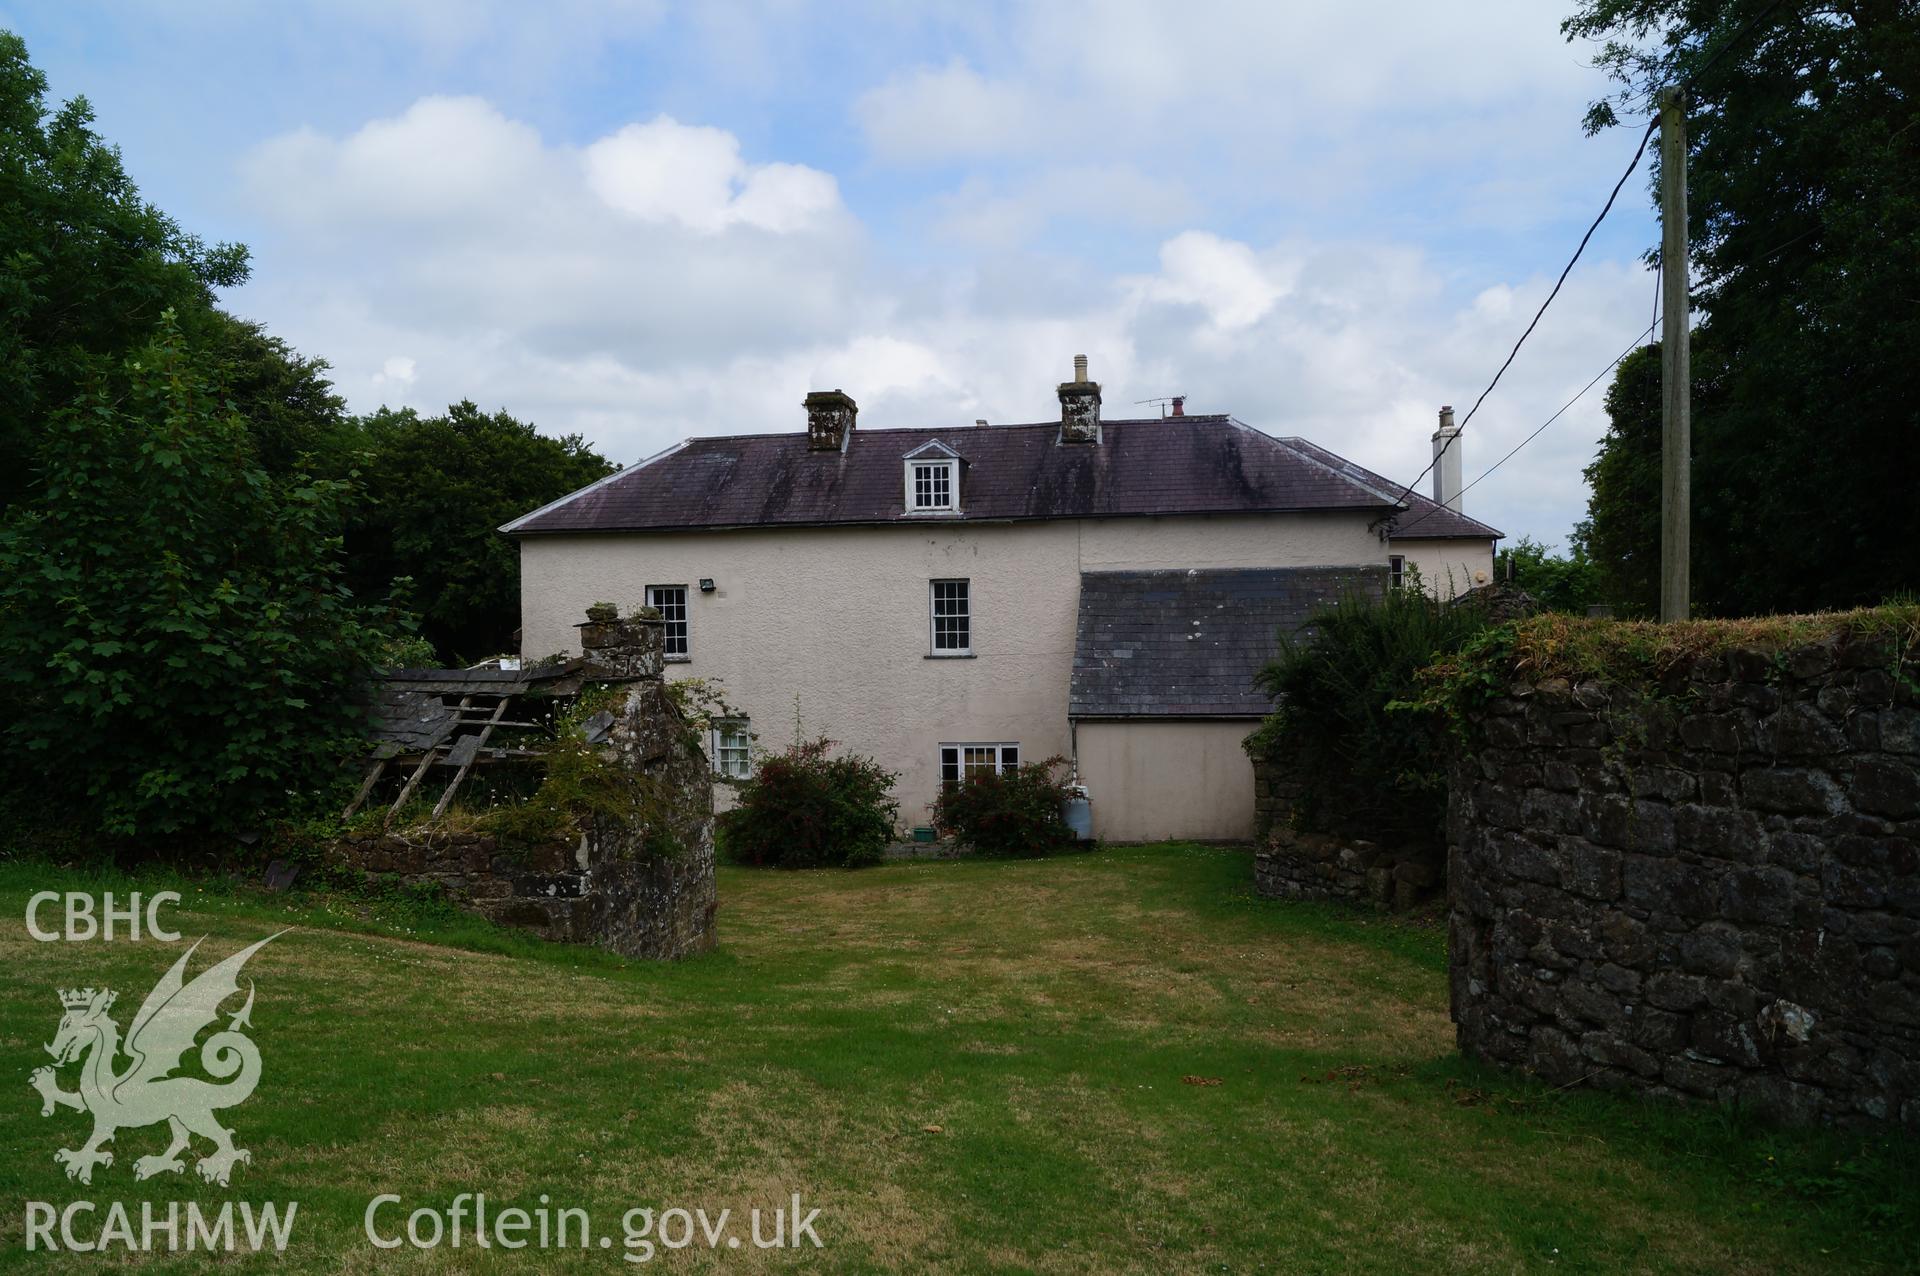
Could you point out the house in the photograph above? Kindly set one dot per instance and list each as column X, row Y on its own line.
column 952, row 599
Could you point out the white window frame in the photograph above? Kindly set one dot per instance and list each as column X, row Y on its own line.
column 1397, row 570
column 1006, row 756
column 948, row 468
column 733, row 761
column 685, row 622
column 934, row 617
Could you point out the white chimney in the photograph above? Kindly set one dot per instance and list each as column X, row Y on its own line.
column 1446, row 462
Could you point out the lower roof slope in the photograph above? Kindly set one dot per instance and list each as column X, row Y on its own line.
column 1187, row 644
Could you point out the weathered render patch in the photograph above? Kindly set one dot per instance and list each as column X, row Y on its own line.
column 1709, row 889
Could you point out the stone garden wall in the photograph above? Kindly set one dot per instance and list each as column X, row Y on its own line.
column 1707, row 887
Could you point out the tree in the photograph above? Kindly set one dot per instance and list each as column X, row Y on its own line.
column 438, row 489
column 1804, row 198
column 177, row 647
column 296, row 421
column 86, row 265
column 1561, row 582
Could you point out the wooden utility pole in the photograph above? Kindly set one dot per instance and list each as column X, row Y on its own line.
column 1676, row 423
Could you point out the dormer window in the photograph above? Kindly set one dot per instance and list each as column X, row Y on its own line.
column 933, row 480
column 933, row 485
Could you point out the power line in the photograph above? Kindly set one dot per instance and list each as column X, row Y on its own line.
column 1514, row 353
column 1632, row 164
column 1618, row 359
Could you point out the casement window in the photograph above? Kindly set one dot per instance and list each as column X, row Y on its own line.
column 671, row 602
column 951, row 617
column 733, row 748
column 961, row 761
column 1396, row 570
column 933, row 486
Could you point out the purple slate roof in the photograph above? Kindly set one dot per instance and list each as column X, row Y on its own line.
column 1424, row 519
column 1172, row 465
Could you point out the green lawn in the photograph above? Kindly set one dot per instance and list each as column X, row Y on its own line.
column 965, row 1066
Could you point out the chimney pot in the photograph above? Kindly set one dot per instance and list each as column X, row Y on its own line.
column 1179, row 405
column 1080, row 369
column 830, row 415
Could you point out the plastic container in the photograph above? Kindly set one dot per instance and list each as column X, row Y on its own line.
column 1079, row 813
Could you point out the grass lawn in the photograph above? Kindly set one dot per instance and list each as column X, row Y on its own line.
column 965, row 1066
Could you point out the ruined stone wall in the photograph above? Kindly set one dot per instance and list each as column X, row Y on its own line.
column 640, row 882
column 1346, row 865
column 1708, row 888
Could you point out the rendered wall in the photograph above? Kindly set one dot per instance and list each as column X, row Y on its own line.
column 1707, row 887
column 1155, row 780
column 1448, row 567
column 837, row 617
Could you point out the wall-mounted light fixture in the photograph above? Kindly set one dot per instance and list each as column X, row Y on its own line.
column 706, row 584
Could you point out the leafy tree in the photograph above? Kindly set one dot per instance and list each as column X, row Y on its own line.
column 86, row 265
column 296, row 421
column 1804, row 198
column 438, row 488
column 1565, row 582
column 179, row 649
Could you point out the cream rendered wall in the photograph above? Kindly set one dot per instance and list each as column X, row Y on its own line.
column 1155, row 780
column 839, row 617
column 1448, row 567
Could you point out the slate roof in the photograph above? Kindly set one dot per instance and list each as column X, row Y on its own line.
column 1424, row 519
column 1172, row 465
column 1186, row 644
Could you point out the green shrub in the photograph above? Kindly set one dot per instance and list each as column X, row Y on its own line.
column 1372, row 765
column 1016, row 812
column 803, row 809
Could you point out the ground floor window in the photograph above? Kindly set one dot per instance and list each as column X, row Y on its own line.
column 959, row 761
column 733, row 748
column 1397, row 570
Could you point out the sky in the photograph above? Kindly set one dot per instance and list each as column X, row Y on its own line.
column 639, row 220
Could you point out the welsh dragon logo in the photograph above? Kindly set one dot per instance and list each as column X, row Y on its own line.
column 145, row 1092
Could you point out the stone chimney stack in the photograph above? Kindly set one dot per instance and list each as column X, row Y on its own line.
column 1079, row 406
column 830, row 416
column 1446, row 462
column 623, row 647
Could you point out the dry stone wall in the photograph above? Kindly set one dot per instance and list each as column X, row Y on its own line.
column 1707, row 888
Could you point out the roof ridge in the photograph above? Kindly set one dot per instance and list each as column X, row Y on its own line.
column 869, row 431
column 1424, row 503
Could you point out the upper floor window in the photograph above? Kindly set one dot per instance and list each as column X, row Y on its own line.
column 952, row 617
column 1396, row 570
column 932, row 485
column 671, row 602
column 733, row 748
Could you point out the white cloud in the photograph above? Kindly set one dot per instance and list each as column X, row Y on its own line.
column 397, row 372
column 933, row 114
column 669, row 171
